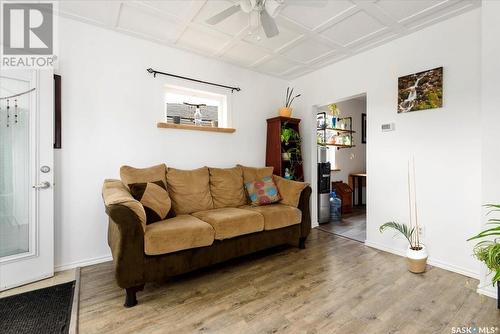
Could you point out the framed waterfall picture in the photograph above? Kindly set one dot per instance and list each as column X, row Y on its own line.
column 420, row 91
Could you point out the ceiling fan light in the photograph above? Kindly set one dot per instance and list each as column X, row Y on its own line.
column 273, row 7
column 246, row 6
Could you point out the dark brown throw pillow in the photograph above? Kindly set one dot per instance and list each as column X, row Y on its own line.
column 154, row 198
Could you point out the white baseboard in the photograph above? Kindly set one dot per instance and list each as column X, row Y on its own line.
column 488, row 290
column 432, row 261
column 83, row 263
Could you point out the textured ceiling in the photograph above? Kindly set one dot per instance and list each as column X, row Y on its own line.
column 310, row 37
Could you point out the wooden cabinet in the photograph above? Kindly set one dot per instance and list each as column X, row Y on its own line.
column 283, row 148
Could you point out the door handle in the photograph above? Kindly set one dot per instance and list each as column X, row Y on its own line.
column 43, row 185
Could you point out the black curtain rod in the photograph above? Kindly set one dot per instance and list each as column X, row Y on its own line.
column 154, row 72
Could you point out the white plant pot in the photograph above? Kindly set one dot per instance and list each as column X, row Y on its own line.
column 417, row 259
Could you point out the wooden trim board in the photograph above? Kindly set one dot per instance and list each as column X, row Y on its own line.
column 73, row 324
column 164, row 125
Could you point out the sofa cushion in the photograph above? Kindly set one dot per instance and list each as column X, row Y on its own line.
column 131, row 175
column 289, row 190
column 263, row 191
column 154, row 198
column 251, row 174
column 175, row 234
column 232, row 222
column 189, row 190
column 277, row 215
column 226, row 187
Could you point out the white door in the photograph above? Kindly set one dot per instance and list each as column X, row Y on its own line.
column 26, row 176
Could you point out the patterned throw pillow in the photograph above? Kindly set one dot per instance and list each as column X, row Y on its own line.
column 154, row 198
column 263, row 191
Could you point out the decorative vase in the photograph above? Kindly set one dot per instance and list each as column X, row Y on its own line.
column 286, row 156
column 285, row 111
column 417, row 260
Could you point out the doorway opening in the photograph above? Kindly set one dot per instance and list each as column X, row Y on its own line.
column 341, row 145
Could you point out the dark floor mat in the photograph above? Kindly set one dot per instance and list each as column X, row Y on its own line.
column 43, row 311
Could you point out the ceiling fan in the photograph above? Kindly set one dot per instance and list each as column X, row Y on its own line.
column 262, row 12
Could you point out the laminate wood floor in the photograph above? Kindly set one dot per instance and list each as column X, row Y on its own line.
column 335, row 285
column 351, row 226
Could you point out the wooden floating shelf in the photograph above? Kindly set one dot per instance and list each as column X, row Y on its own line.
column 338, row 130
column 165, row 125
column 338, row 145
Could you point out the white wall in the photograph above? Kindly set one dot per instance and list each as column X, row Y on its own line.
column 490, row 120
column 445, row 142
column 110, row 108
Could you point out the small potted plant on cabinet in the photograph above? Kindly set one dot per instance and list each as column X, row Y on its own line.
column 488, row 249
column 286, row 111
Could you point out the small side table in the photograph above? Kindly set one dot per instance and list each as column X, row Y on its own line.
column 357, row 179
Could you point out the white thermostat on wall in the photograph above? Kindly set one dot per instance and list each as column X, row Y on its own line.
column 388, row 127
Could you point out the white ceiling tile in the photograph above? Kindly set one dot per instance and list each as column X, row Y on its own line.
column 308, row 50
column 100, row 12
column 179, row 8
column 139, row 20
column 276, row 66
column 231, row 25
column 353, row 28
column 207, row 42
column 312, row 17
column 313, row 33
column 439, row 14
column 297, row 71
column 244, row 53
column 400, row 10
column 285, row 36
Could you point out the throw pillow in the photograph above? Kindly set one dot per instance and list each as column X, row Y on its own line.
column 154, row 198
column 131, row 175
column 263, row 191
column 289, row 190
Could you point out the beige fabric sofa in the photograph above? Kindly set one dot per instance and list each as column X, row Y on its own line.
column 210, row 221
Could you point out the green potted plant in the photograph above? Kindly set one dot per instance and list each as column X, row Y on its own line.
column 488, row 249
column 288, row 134
column 290, row 148
column 416, row 253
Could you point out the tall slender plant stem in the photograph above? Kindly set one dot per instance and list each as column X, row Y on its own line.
column 410, row 206
column 415, row 201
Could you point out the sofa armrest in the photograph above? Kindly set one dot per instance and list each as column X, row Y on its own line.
column 125, row 233
column 304, row 206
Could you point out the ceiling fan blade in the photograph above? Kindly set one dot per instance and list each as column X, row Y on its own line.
column 268, row 24
column 223, row 15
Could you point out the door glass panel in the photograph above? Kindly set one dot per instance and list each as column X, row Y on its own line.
column 14, row 167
